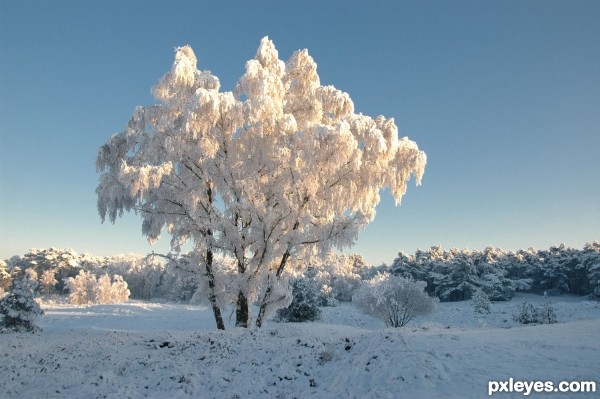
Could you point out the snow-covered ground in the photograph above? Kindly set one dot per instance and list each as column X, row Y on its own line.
column 158, row 350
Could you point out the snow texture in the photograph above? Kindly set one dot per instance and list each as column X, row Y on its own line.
column 158, row 350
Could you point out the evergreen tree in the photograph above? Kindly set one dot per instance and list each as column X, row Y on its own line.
column 19, row 308
column 304, row 306
column 591, row 261
column 5, row 278
column 481, row 302
column 459, row 279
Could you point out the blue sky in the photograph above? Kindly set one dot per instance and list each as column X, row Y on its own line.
column 503, row 96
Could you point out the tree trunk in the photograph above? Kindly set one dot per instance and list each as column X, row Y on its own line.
column 209, row 273
column 211, row 295
column 265, row 301
column 241, row 312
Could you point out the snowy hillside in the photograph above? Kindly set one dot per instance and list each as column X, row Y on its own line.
column 155, row 350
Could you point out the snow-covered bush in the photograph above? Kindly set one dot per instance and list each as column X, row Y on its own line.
column 19, row 308
column 481, row 302
column 546, row 314
column 86, row 289
column 528, row 314
column 304, row 306
column 525, row 314
column 393, row 299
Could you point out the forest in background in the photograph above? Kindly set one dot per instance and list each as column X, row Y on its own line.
column 451, row 275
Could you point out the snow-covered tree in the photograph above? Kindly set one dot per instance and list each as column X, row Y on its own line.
column 64, row 263
column 119, row 291
column 103, row 290
column 493, row 266
column 554, row 269
column 146, row 275
column 85, row 289
column 405, row 266
column 5, row 279
column 48, row 281
column 82, row 288
column 304, row 303
column 18, row 309
column 395, row 300
column 457, row 279
column 337, row 277
column 272, row 174
column 481, row 302
column 591, row 260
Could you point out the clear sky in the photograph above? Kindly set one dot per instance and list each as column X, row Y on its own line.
column 503, row 96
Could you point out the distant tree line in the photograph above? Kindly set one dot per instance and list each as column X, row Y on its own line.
column 455, row 274
column 451, row 275
column 57, row 269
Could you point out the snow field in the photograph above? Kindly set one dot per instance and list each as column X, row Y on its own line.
column 154, row 350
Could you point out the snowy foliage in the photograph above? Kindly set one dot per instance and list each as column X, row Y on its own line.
column 82, row 288
column 86, row 289
column 481, row 302
column 146, row 276
column 19, row 309
column 337, row 277
column 395, row 300
column 304, row 306
column 272, row 174
column 63, row 262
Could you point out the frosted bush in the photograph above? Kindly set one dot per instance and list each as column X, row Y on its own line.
column 393, row 299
